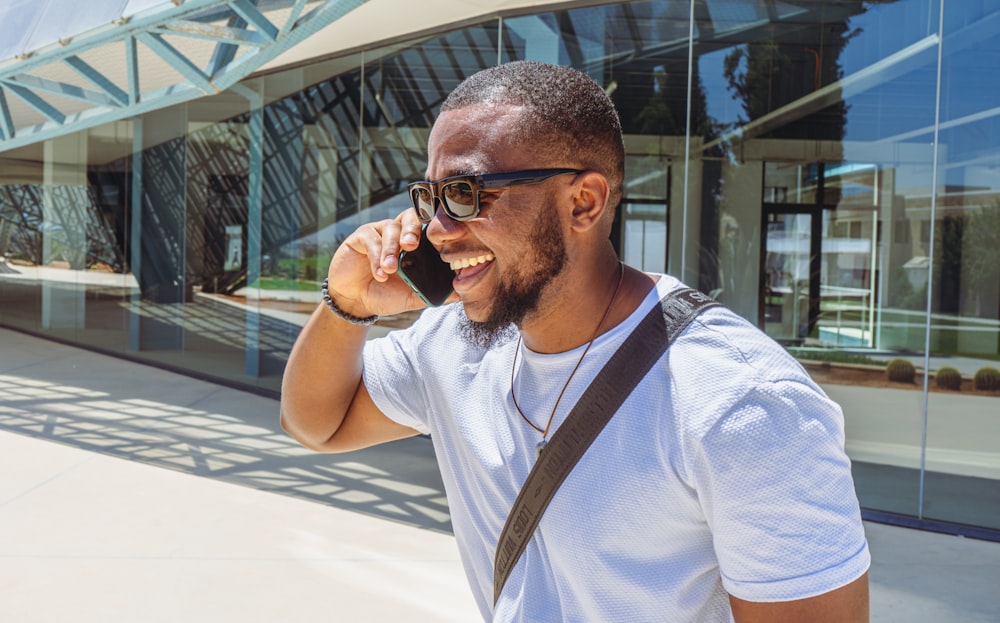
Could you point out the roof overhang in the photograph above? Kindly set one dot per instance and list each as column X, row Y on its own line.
column 381, row 22
column 157, row 57
column 152, row 54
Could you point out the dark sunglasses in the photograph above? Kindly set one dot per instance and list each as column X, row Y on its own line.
column 459, row 194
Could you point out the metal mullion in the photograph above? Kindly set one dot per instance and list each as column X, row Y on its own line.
column 254, row 227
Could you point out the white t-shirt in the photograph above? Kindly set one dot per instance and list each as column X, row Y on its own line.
column 723, row 471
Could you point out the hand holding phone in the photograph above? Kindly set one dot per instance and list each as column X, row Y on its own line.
column 426, row 273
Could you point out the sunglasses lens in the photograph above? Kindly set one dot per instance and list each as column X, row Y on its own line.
column 423, row 201
column 460, row 199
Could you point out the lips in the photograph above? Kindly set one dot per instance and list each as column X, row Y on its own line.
column 468, row 270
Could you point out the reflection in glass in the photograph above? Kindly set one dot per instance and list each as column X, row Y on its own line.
column 797, row 169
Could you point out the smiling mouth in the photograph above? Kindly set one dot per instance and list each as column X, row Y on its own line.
column 466, row 262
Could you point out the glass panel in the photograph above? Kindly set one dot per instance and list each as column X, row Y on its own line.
column 325, row 173
column 21, row 225
column 799, row 174
column 218, row 323
column 963, row 434
column 643, row 212
column 632, row 49
column 808, row 121
column 107, row 280
column 63, row 218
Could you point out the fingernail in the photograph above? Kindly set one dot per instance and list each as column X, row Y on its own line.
column 409, row 238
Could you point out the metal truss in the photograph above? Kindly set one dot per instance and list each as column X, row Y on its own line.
column 206, row 45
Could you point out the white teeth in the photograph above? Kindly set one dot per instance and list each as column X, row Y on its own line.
column 466, row 262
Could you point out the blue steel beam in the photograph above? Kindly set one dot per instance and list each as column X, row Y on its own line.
column 224, row 54
column 224, row 71
column 255, row 18
column 321, row 16
column 222, row 34
column 32, row 99
column 6, row 123
column 132, row 69
column 62, row 89
column 97, row 79
column 292, row 17
column 178, row 61
column 117, row 31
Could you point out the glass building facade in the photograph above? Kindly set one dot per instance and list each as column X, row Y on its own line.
column 829, row 169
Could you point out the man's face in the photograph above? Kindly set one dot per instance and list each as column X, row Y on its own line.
column 510, row 256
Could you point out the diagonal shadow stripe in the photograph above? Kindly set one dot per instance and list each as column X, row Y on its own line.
column 210, row 435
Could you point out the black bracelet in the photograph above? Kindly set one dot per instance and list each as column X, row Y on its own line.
column 368, row 321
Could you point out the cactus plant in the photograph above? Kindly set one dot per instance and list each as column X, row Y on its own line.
column 900, row 370
column 987, row 379
column 948, row 378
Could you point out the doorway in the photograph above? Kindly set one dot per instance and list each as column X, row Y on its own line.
column 819, row 246
column 791, row 252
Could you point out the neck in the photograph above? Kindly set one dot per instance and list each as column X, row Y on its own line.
column 570, row 313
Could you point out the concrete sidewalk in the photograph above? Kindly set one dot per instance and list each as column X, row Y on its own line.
column 244, row 525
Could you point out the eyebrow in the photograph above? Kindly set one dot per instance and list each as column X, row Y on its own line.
column 463, row 173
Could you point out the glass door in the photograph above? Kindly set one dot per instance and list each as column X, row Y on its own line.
column 791, row 273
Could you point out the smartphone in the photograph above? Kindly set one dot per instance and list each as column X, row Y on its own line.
column 426, row 273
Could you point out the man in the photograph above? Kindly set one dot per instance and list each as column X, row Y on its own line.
column 719, row 491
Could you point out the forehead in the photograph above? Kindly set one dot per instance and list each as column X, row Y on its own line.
column 475, row 139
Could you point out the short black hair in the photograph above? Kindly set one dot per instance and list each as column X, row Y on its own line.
column 566, row 114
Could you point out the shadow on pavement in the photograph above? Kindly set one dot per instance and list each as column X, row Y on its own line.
column 143, row 414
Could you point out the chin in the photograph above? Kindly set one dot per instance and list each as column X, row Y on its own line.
column 476, row 311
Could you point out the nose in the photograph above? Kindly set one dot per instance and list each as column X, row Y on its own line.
column 442, row 228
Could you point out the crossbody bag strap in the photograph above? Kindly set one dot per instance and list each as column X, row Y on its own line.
column 599, row 402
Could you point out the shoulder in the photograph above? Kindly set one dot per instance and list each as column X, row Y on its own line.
column 722, row 361
column 719, row 339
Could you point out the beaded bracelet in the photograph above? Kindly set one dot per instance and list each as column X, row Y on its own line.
column 370, row 320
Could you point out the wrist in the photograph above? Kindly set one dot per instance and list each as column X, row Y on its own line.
column 340, row 313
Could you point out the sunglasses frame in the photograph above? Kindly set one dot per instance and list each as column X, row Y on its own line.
column 479, row 183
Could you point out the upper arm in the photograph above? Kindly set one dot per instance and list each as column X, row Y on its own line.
column 847, row 604
column 363, row 425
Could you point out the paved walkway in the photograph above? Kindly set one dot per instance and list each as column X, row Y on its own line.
column 133, row 494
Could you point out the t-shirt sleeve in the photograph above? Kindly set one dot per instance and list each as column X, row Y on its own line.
column 776, row 487
column 391, row 377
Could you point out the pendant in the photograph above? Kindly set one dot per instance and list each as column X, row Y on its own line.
column 539, row 447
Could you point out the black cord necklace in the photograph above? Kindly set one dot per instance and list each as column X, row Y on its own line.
column 513, row 367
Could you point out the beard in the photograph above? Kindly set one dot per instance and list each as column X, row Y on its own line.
column 518, row 294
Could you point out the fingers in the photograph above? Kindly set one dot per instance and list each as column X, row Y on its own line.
column 393, row 236
column 411, row 229
column 381, row 242
column 384, row 251
column 361, row 272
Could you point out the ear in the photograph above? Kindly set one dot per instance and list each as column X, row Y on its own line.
column 590, row 200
